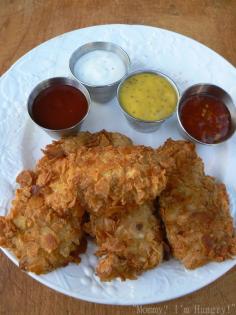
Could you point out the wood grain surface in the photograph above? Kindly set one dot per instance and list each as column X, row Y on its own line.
column 26, row 23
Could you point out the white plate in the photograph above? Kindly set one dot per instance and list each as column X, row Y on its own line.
column 183, row 59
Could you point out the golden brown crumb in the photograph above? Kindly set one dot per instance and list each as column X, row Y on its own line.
column 129, row 241
column 194, row 209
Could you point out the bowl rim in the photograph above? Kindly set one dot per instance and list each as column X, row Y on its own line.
column 158, row 73
column 100, row 43
column 201, row 93
column 42, row 85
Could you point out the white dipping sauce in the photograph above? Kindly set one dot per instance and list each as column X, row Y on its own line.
column 99, row 67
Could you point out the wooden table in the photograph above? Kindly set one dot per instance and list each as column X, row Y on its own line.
column 26, row 23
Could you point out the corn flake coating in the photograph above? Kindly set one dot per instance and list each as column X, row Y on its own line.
column 41, row 239
column 194, row 208
column 103, row 177
column 44, row 239
column 129, row 241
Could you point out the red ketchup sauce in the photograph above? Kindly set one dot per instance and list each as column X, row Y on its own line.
column 59, row 107
column 205, row 118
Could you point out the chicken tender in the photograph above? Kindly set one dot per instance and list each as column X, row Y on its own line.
column 173, row 154
column 54, row 166
column 40, row 238
column 194, row 208
column 114, row 183
column 102, row 178
column 129, row 240
column 70, row 144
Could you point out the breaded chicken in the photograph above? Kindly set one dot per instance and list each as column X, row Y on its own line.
column 129, row 241
column 40, row 238
column 194, row 208
column 54, row 166
column 136, row 231
column 173, row 154
column 102, row 178
column 116, row 183
column 70, row 144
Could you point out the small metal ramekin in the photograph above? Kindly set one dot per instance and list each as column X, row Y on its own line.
column 52, row 82
column 100, row 93
column 211, row 90
column 142, row 125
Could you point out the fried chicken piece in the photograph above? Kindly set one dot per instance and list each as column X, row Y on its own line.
column 173, row 154
column 194, row 208
column 70, row 144
column 40, row 238
column 102, row 178
column 136, row 242
column 129, row 240
column 62, row 148
column 53, row 164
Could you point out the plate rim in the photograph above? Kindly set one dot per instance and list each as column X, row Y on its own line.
column 101, row 301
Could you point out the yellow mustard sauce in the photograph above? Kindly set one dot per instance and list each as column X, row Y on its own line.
column 148, row 96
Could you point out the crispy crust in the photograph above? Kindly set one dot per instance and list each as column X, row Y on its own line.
column 195, row 209
column 129, row 242
column 102, row 178
column 37, row 235
column 67, row 145
column 44, row 239
column 116, row 183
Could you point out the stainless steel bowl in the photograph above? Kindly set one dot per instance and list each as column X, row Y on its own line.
column 100, row 93
column 52, row 82
column 141, row 125
column 211, row 90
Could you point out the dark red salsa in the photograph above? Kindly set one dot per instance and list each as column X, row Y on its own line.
column 206, row 118
column 59, row 107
